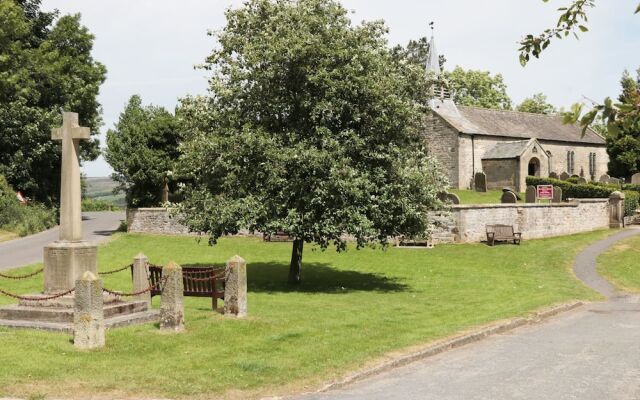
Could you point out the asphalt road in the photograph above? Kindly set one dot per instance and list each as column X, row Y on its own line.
column 96, row 228
column 592, row 353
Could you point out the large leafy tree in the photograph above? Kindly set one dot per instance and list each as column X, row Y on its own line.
column 623, row 141
column 45, row 65
column 311, row 128
column 142, row 150
column 536, row 104
column 478, row 89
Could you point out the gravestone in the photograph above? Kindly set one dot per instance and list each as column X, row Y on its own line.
column 604, row 178
column 557, row 194
column 70, row 257
column 582, row 181
column 508, row 189
column 165, row 191
column 531, row 194
column 581, row 172
column 508, row 197
column 480, row 182
column 553, row 175
column 564, row 176
column 453, row 198
column 635, row 179
column 614, row 181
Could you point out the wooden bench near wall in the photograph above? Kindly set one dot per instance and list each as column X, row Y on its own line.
column 198, row 282
column 502, row 233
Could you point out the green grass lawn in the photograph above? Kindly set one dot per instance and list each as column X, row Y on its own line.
column 351, row 309
column 472, row 197
column 620, row 264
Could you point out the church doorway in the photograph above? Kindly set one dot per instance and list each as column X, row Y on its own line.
column 534, row 167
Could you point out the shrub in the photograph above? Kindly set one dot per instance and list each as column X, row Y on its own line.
column 90, row 204
column 20, row 218
column 591, row 191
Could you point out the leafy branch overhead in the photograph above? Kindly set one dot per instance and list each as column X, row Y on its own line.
column 573, row 19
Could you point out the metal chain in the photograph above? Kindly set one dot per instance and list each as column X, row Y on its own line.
column 22, row 276
column 116, row 270
column 29, row 298
column 150, row 288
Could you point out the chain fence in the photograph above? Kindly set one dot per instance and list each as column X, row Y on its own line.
column 132, row 294
column 116, row 270
column 19, row 277
column 32, row 298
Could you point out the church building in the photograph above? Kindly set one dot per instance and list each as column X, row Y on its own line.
column 507, row 146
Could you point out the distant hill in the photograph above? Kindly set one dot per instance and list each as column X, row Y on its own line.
column 102, row 189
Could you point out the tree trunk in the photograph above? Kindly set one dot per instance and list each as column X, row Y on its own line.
column 296, row 262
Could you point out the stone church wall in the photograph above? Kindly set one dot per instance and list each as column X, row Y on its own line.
column 501, row 173
column 558, row 162
column 442, row 142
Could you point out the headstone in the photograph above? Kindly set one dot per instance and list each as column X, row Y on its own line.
column 557, row 194
column 581, row 172
column 564, row 176
column 88, row 314
column 553, row 175
column 531, row 194
column 235, row 287
column 68, row 258
column 172, row 299
column 480, row 182
column 614, row 181
column 508, row 198
column 141, row 277
column 604, row 178
column 582, row 181
column 453, row 198
column 635, row 179
column 508, row 189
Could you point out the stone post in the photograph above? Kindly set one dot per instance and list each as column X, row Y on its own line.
column 235, row 288
column 172, row 303
column 88, row 315
column 141, row 278
column 616, row 210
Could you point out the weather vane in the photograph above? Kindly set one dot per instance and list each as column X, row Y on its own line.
column 431, row 25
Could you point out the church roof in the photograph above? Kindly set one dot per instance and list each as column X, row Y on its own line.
column 513, row 124
column 506, row 150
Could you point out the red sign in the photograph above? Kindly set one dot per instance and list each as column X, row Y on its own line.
column 544, row 192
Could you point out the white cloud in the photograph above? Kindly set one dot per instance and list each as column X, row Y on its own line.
column 151, row 46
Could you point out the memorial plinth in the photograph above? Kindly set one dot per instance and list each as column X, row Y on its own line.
column 69, row 258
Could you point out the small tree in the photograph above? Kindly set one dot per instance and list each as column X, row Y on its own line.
column 142, row 149
column 536, row 104
column 311, row 128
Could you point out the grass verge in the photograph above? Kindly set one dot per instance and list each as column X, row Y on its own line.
column 351, row 308
column 619, row 264
column 472, row 197
column 6, row 235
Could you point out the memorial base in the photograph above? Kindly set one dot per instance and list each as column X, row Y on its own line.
column 64, row 262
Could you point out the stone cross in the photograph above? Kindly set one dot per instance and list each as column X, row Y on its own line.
column 70, row 192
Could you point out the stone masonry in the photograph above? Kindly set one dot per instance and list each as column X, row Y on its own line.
column 235, row 290
column 159, row 221
column 172, row 299
column 88, row 316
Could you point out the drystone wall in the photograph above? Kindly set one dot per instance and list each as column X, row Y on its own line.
column 159, row 221
column 468, row 222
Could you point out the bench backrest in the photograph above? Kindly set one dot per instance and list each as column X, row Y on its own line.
column 197, row 281
column 501, row 230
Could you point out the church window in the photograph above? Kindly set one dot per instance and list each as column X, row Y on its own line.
column 592, row 164
column 571, row 162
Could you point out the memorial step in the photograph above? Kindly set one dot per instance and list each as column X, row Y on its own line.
column 65, row 314
column 142, row 317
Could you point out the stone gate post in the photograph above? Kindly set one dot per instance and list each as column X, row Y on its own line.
column 616, row 210
column 141, row 277
column 88, row 314
column 235, row 289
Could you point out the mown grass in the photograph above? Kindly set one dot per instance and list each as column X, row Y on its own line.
column 351, row 308
column 620, row 264
column 473, row 197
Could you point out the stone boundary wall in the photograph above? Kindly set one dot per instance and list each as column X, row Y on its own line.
column 468, row 222
column 158, row 221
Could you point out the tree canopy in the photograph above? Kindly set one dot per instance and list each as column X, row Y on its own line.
column 623, row 141
column 45, row 65
column 311, row 127
column 478, row 89
column 143, row 150
column 536, row 104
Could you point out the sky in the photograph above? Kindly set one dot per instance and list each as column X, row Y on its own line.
column 150, row 47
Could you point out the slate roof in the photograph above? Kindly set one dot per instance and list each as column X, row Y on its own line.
column 513, row 124
column 506, row 150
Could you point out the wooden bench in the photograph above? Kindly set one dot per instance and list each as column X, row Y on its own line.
column 502, row 233
column 198, row 282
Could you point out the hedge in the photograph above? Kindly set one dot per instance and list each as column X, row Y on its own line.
column 592, row 191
